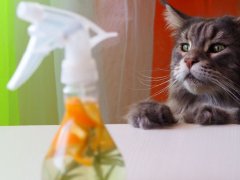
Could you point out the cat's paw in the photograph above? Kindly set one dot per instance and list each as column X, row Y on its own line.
column 208, row 115
column 150, row 114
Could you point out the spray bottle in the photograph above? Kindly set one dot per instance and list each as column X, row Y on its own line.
column 82, row 148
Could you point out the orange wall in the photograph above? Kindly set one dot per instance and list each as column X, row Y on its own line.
column 162, row 40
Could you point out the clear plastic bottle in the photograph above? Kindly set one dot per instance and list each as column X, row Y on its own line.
column 82, row 148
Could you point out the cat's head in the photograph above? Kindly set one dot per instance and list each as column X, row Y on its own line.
column 206, row 55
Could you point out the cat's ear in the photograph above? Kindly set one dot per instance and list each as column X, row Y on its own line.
column 175, row 19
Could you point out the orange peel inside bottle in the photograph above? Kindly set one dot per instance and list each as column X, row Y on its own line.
column 84, row 118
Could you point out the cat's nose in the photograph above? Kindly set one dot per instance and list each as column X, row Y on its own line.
column 190, row 61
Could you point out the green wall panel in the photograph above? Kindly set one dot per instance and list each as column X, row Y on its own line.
column 9, row 112
column 39, row 101
column 36, row 101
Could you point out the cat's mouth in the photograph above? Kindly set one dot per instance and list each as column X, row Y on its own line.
column 194, row 85
column 190, row 78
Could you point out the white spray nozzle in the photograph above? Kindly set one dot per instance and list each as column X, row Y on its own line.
column 53, row 28
column 30, row 12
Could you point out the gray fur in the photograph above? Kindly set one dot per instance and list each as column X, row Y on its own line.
column 204, row 84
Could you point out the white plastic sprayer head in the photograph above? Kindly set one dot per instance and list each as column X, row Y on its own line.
column 53, row 28
column 31, row 12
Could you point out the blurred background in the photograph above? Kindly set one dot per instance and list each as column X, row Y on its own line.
column 128, row 65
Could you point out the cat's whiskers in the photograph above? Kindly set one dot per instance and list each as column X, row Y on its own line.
column 160, row 79
column 161, row 69
column 232, row 88
column 167, row 81
column 220, row 75
column 151, row 78
column 225, row 86
column 163, row 90
column 149, row 84
column 231, row 82
column 157, row 70
column 157, row 85
column 156, row 78
column 227, row 82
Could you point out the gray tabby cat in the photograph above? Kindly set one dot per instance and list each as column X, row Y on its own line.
column 205, row 74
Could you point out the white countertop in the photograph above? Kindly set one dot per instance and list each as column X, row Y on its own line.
column 186, row 152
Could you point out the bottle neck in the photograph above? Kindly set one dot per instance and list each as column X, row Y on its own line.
column 87, row 92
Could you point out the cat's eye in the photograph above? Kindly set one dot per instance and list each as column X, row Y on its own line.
column 185, row 47
column 215, row 48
